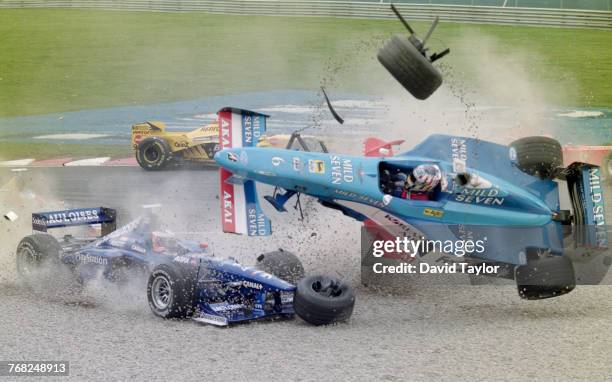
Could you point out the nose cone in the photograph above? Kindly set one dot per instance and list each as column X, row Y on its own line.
column 229, row 159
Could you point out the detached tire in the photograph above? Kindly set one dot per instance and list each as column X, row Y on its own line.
column 409, row 67
column 284, row 265
column 34, row 253
column 545, row 277
column 323, row 300
column 537, row 156
column 170, row 292
column 153, row 153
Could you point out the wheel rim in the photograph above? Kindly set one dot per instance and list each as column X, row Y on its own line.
column 161, row 292
column 26, row 261
column 151, row 154
column 327, row 288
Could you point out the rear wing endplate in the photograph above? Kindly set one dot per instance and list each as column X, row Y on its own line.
column 240, row 209
column 586, row 193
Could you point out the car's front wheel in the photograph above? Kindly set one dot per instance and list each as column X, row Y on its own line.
column 170, row 292
column 323, row 300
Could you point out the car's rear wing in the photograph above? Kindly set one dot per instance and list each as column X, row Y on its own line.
column 240, row 209
column 106, row 217
column 586, row 194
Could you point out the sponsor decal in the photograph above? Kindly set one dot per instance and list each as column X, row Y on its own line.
column 232, row 157
column 297, row 164
column 387, row 199
column 181, row 144
column 490, row 197
column 137, row 138
column 252, row 285
column 228, row 207
column 244, row 158
column 341, row 170
column 359, row 197
column 72, row 216
column 212, row 319
column 182, row 259
column 257, row 222
column 226, row 129
column 91, row 259
column 39, row 221
column 225, row 307
column 433, row 213
column 276, row 161
column 286, row 297
column 459, row 149
column 599, row 214
column 252, row 128
column 316, row 166
column 406, row 229
column 512, row 154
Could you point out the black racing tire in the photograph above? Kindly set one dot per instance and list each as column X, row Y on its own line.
column 545, row 277
column 153, row 153
column 537, row 156
column 323, row 300
column 409, row 67
column 34, row 253
column 606, row 167
column 171, row 291
column 282, row 264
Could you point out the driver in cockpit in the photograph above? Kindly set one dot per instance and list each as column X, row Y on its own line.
column 423, row 179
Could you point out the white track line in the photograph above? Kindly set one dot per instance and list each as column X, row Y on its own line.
column 17, row 162
column 88, row 162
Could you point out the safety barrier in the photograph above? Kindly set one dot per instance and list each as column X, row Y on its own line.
column 351, row 9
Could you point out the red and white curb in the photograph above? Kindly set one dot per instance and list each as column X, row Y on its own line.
column 70, row 162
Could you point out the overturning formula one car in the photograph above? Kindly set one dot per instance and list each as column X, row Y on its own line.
column 156, row 148
column 507, row 196
column 184, row 280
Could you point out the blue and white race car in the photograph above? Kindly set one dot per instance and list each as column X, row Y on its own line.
column 446, row 189
column 184, row 280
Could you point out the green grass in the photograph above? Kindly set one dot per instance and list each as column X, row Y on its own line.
column 61, row 60
column 20, row 150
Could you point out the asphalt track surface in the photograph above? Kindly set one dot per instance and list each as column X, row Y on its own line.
column 419, row 331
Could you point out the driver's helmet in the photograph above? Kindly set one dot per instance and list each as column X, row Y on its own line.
column 162, row 241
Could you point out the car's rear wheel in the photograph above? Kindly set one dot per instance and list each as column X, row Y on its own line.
column 537, row 156
column 323, row 300
column 153, row 153
column 409, row 67
column 282, row 264
column 170, row 292
column 36, row 253
column 545, row 277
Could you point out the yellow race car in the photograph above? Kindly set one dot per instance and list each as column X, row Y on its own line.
column 157, row 149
